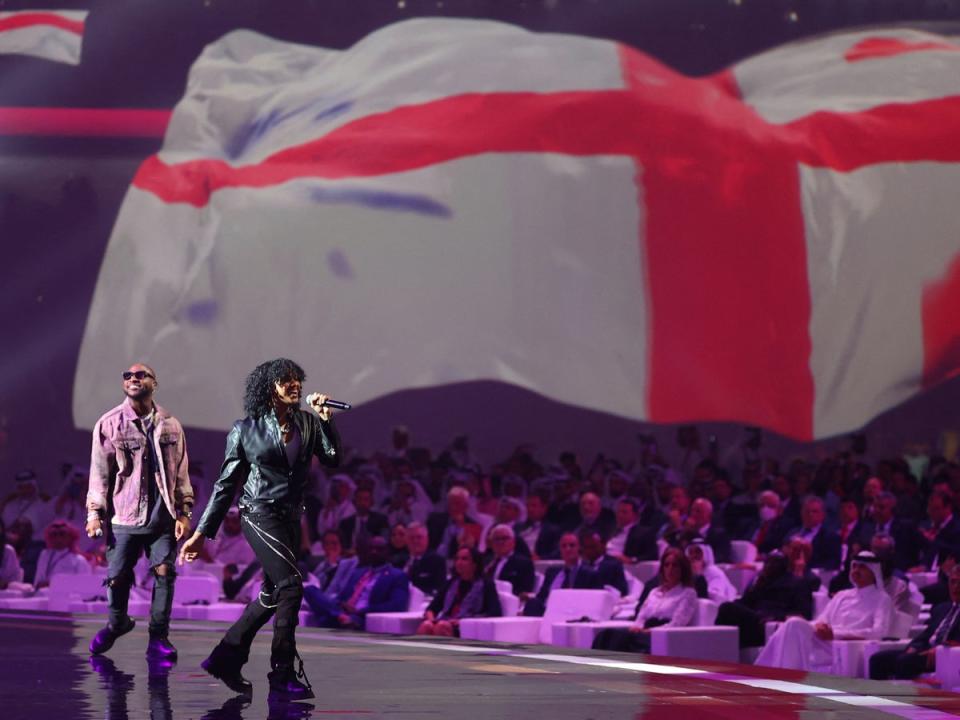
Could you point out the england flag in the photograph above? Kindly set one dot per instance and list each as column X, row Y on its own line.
column 456, row 200
column 55, row 35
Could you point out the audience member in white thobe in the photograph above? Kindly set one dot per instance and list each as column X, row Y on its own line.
column 230, row 547
column 10, row 570
column 26, row 501
column 719, row 587
column 863, row 612
column 61, row 555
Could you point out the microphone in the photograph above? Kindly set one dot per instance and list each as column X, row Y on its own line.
column 338, row 404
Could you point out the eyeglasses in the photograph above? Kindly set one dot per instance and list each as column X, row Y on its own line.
column 138, row 374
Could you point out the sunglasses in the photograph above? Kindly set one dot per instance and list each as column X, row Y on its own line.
column 138, row 374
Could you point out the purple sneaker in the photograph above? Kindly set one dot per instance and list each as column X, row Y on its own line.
column 108, row 635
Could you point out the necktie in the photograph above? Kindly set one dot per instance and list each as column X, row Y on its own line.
column 946, row 626
column 361, row 584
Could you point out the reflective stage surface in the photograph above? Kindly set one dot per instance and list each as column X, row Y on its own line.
column 46, row 672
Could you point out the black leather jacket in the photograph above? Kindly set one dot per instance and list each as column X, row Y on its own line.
column 256, row 453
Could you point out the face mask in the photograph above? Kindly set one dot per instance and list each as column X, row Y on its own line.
column 767, row 513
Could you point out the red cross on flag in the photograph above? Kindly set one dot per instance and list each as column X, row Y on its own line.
column 50, row 34
column 455, row 200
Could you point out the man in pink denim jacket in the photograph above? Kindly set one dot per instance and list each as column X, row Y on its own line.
column 140, row 484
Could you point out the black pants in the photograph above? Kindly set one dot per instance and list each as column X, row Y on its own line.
column 752, row 625
column 275, row 541
column 888, row 664
column 123, row 551
column 623, row 640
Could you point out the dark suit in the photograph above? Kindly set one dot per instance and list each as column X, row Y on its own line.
column 773, row 536
column 428, row 572
column 948, row 535
column 610, row 572
column 785, row 596
column 905, row 538
column 651, row 518
column 826, row 548
column 640, row 544
column 718, row 539
column 548, row 540
column 390, row 593
column 903, row 665
column 582, row 578
column 605, row 524
column 518, row 571
column 437, row 524
column 375, row 524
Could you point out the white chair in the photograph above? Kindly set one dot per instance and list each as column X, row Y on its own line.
column 537, row 581
column 720, row 642
column 562, row 605
column 509, row 603
column 742, row 551
column 400, row 623
column 67, row 588
column 643, row 570
column 503, row 586
column 198, row 589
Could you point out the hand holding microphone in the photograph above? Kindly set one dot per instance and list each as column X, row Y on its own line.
column 323, row 405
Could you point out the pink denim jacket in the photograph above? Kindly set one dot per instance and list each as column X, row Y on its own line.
column 118, row 464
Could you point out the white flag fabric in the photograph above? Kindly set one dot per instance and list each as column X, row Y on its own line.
column 50, row 34
column 456, row 200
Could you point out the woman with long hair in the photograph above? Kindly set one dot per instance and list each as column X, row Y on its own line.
column 467, row 594
column 673, row 603
column 270, row 452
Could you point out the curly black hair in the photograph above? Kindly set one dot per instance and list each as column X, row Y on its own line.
column 258, row 395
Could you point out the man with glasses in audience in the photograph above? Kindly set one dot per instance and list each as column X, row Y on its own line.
column 140, row 498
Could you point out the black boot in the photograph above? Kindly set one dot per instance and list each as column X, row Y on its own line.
column 160, row 648
column 224, row 663
column 108, row 635
column 287, row 685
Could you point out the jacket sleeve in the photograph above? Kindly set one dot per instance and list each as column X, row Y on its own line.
column 922, row 641
column 491, row 600
column 103, row 460
column 328, row 448
column 436, row 605
column 183, row 490
column 397, row 599
column 235, row 466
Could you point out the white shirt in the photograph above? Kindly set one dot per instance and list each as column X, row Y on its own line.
column 531, row 535
column 55, row 562
column 10, row 570
column 864, row 612
column 618, row 542
column 228, row 549
column 679, row 604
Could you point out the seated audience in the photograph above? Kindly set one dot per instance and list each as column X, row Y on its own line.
column 374, row 586
column 593, row 516
column 338, row 506
column 539, row 535
column 775, row 594
column 10, row 570
column 61, row 555
column 772, row 528
column 672, row 604
column 719, row 587
column 399, row 553
column 507, row 564
column 334, row 571
column 426, row 570
column 799, row 552
column 364, row 523
column 920, row 656
column 631, row 541
column 573, row 574
column 467, row 595
column 825, row 544
column 883, row 519
column 446, row 528
column 20, row 537
column 700, row 521
column 940, row 528
column 861, row 613
column 230, row 546
column 26, row 501
column 609, row 570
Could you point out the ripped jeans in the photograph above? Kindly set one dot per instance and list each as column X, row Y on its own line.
column 123, row 552
column 275, row 540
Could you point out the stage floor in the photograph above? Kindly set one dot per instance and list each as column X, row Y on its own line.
column 46, row 672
